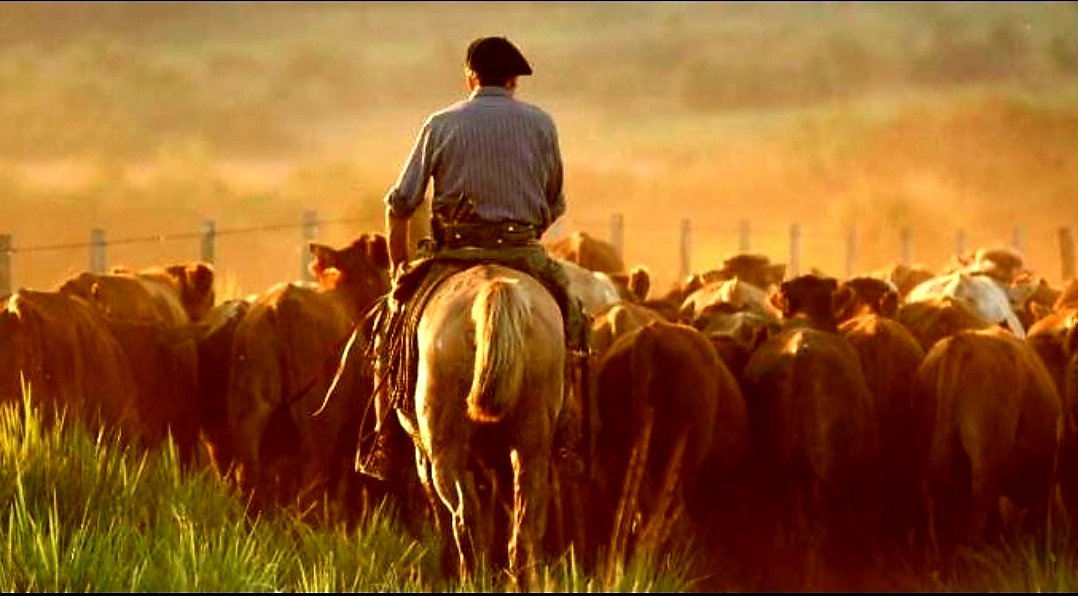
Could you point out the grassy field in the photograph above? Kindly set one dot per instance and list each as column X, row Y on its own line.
column 85, row 513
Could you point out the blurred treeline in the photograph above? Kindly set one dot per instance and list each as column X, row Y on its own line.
column 257, row 79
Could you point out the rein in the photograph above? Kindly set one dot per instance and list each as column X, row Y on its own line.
column 338, row 352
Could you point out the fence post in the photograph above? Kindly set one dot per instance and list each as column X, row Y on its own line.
column 617, row 232
column 1019, row 239
column 960, row 243
column 1066, row 253
column 209, row 238
column 743, row 236
column 686, row 248
column 905, row 248
column 310, row 231
column 851, row 250
column 97, row 250
column 794, row 268
column 5, row 264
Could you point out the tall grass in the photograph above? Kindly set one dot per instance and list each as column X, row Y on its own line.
column 83, row 513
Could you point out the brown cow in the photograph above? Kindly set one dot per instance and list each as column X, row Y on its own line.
column 904, row 277
column 988, row 421
column 814, row 427
column 617, row 320
column 214, row 360
column 285, row 353
column 587, row 251
column 890, row 355
column 146, row 311
column 59, row 347
column 662, row 381
column 871, row 295
column 1055, row 339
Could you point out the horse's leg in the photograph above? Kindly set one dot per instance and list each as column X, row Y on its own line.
column 448, row 470
column 531, row 475
column 442, row 520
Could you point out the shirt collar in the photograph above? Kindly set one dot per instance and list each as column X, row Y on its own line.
column 490, row 91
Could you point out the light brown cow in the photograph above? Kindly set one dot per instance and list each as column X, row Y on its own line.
column 147, row 310
column 904, row 277
column 934, row 319
column 59, row 347
column 617, row 320
column 585, row 250
column 732, row 294
column 988, row 421
column 285, row 352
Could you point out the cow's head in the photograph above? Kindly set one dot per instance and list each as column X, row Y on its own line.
column 815, row 298
column 869, row 295
column 195, row 285
column 361, row 269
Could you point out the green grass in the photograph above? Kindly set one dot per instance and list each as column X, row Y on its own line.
column 81, row 512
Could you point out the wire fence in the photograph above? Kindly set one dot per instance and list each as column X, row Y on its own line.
column 250, row 258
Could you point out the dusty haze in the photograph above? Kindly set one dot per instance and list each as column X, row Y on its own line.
column 146, row 119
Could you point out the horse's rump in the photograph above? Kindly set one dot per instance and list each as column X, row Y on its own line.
column 492, row 355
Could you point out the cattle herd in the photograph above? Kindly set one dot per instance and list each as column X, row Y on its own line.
column 900, row 412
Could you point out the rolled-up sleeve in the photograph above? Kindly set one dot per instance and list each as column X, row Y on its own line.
column 407, row 194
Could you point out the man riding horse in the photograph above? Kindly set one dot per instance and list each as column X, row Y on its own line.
column 497, row 172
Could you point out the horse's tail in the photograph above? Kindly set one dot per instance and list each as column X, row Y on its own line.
column 500, row 312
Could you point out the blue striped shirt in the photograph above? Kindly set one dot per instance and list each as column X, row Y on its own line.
column 500, row 152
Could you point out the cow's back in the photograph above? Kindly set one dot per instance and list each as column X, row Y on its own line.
column 285, row 351
column 810, row 406
column 988, row 420
column 61, row 348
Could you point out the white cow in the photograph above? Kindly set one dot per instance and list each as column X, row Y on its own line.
column 597, row 291
column 987, row 298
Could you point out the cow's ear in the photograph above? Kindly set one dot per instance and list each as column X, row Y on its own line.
column 1070, row 340
column 776, row 273
column 378, row 250
column 200, row 276
column 1037, row 311
column 842, row 298
column 889, row 304
column 778, row 300
column 324, row 257
column 639, row 283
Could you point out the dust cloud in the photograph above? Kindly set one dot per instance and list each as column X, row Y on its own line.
column 716, row 127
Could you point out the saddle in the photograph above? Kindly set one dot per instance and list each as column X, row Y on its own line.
column 396, row 317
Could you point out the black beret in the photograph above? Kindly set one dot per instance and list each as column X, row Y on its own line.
column 496, row 57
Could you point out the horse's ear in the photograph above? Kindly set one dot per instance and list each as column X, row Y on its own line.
column 378, row 250
column 324, row 257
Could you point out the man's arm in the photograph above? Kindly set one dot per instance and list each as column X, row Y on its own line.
column 397, row 229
